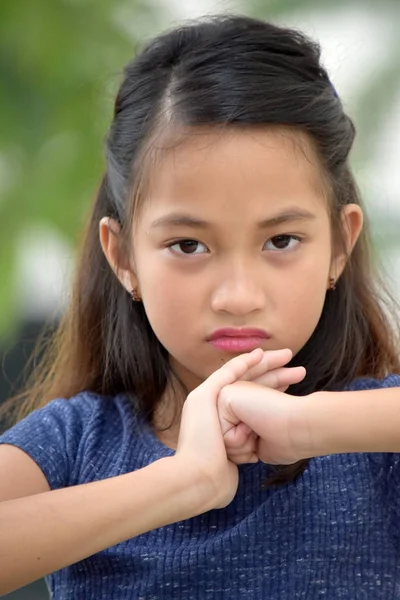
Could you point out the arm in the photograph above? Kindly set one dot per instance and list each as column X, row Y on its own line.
column 45, row 532
column 362, row 421
column 291, row 428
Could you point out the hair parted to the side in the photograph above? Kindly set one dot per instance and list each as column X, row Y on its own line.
column 222, row 71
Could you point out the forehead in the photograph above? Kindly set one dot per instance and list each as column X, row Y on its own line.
column 237, row 170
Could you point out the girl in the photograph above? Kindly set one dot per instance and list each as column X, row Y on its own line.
column 225, row 242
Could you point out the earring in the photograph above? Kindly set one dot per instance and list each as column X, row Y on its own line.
column 332, row 283
column 135, row 295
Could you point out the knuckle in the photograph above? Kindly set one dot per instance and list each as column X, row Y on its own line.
column 189, row 398
column 225, row 394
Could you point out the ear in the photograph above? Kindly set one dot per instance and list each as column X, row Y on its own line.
column 352, row 222
column 109, row 232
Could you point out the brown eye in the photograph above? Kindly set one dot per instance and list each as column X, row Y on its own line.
column 283, row 242
column 186, row 247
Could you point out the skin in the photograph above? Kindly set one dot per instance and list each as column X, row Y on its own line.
column 234, row 273
column 233, row 415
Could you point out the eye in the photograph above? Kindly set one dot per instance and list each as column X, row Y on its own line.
column 186, row 247
column 283, row 242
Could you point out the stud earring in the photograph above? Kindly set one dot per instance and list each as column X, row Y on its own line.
column 135, row 295
column 332, row 283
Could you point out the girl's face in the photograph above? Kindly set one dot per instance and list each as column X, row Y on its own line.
column 235, row 232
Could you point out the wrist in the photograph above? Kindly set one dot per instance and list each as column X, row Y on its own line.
column 314, row 425
column 351, row 421
column 317, row 425
column 325, row 425
column 195, row 491
column 303, row 433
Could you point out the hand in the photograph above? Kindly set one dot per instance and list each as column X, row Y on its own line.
column 201, row 447
column 262, row 424
column 271, row 373
column 240, row 440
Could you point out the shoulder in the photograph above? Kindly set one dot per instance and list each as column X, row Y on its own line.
column 69, row 417
column 370, row 383
column 62, row 435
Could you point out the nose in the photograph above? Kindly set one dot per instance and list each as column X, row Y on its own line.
column 239, row 292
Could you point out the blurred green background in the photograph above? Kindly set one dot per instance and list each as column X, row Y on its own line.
column 60, row 66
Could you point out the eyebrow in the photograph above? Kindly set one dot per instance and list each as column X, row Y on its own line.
column 181, row 219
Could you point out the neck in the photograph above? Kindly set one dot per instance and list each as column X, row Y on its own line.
column 167, row 416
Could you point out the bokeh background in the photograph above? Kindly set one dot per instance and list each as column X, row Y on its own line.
column 60, row 66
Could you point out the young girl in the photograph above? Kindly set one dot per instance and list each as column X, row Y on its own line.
column 226, row 241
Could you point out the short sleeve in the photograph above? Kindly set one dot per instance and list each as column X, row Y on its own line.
column 385, row 467
column 51, row 436
column 367, row 383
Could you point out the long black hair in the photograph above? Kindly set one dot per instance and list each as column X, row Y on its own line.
column 222, row 71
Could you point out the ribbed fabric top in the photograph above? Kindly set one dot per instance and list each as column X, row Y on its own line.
column 334, row 533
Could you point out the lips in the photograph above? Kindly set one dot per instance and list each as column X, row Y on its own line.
column 237, row 340
column 231, row 332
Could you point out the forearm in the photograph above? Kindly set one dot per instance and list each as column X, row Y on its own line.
column 43, row 533
column 362, row 421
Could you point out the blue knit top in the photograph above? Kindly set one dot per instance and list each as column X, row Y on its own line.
column 333, row 534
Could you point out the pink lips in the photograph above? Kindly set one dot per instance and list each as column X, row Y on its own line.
column 238, row 340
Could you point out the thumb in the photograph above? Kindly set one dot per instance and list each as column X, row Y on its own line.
column 229, row 372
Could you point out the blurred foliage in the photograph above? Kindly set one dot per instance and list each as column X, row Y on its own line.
column 378, row 93
column 376, row 96
column 60, row 64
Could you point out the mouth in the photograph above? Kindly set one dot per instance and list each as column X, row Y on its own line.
column 238, row 340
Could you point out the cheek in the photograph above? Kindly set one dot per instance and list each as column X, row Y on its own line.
column 299, row 300
column 171, row 306
column 303, row 304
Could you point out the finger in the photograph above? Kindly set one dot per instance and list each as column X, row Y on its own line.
column 254, row 458
column 237, row 437
column 281, row 378
column 200, row 412
column 243, row 459
column 230, row 372
column 247, row 450
column 248, row 444
column 272, row 359
column 275, row 453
